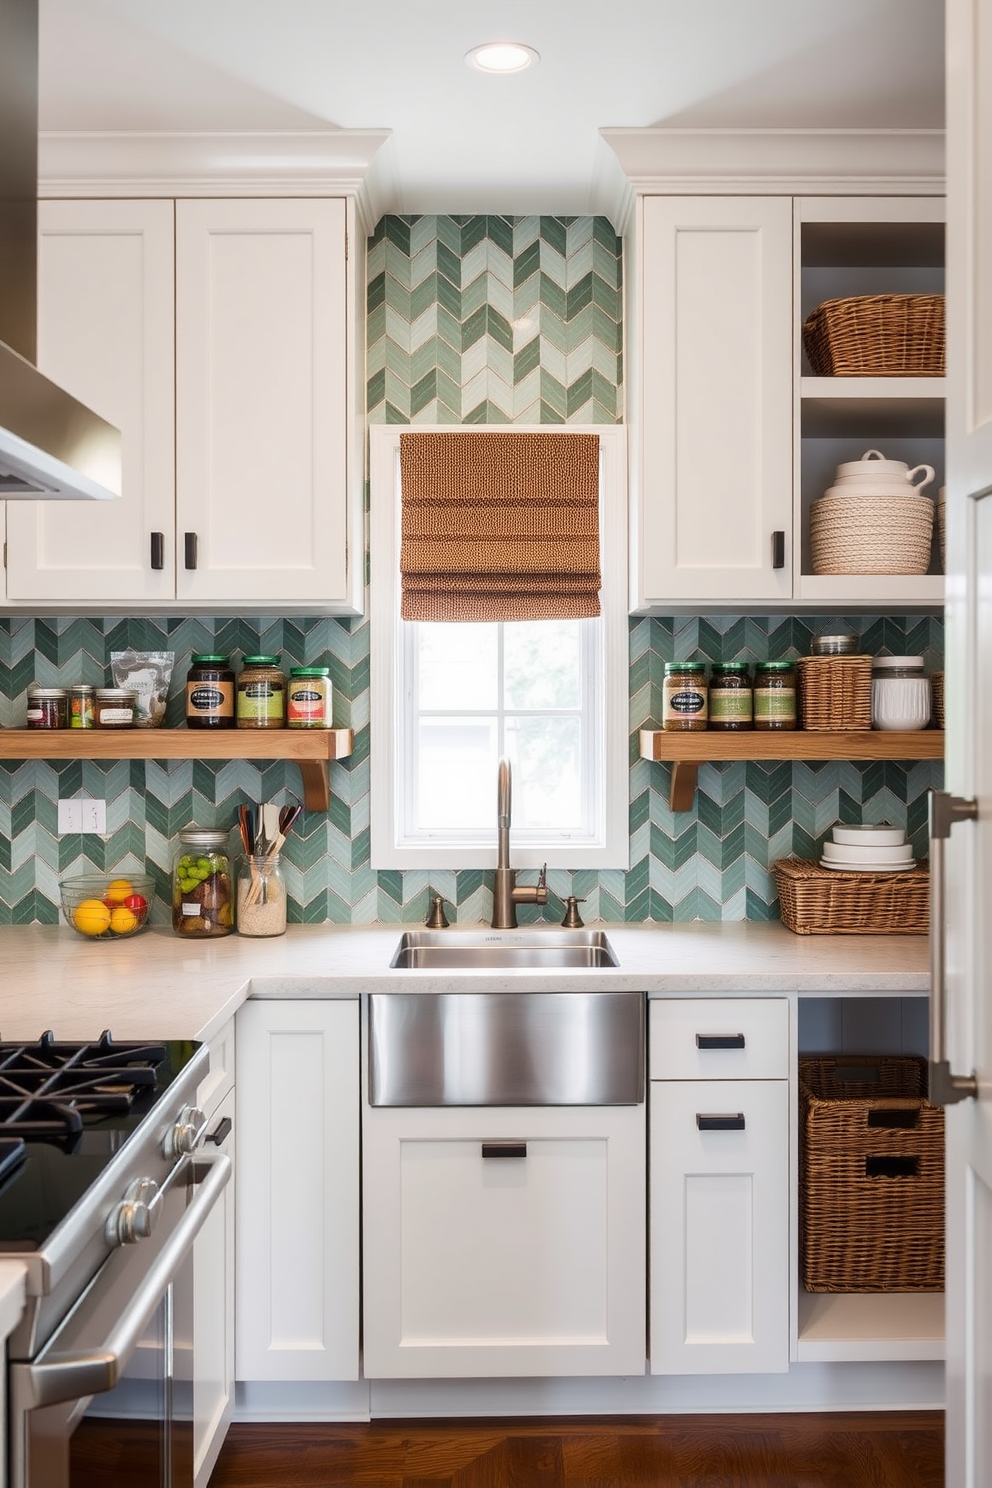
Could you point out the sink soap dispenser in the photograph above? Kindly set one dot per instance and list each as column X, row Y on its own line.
column 436, row 917
column 573, row 920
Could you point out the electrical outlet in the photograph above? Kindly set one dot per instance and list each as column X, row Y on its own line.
column 82, row 814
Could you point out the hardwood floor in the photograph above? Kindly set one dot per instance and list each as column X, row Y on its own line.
column 893, row 1450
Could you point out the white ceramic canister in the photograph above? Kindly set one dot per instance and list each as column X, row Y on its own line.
column 874, row 475
column 900, row 693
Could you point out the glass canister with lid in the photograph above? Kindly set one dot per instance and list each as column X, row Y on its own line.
column 202, row 888
column 209, row 691
column 731, row 697
column 900, row 693
column 261, row 693
column 775, row 695
column 309, row 700
column 685, row 696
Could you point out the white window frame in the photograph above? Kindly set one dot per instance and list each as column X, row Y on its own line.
column 610, row 846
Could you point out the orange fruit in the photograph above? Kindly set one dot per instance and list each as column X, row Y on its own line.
column 91, row 917
column 123, row 920
column 118, row 890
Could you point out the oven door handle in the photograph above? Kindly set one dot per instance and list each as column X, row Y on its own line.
column 56, row 1378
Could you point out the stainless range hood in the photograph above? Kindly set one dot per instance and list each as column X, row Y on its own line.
column 52, row 448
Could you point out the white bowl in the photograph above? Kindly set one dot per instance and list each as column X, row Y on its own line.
column 845, row 867
column 878, row 836
column 870, row 853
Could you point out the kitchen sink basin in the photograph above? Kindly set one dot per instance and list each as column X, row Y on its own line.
column 495, row 950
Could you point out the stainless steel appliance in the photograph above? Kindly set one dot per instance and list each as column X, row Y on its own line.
column 103, row 1188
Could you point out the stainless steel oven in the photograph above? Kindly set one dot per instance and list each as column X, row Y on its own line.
column 100, row 1375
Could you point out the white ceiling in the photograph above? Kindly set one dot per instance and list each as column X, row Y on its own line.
column 465, row 142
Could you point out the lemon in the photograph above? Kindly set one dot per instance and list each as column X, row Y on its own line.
column 118, row 890
column 123, row 920
column 91, row 916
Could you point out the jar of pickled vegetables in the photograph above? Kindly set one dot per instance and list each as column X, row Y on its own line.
column 202, row 886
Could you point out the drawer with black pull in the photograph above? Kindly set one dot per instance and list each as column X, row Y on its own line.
column 724, row 1038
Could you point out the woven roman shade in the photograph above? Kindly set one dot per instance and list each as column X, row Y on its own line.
column 500, row 526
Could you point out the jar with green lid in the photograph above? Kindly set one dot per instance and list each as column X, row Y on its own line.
column 202, row 888
column 209, row 691
column 731, row 697
column 309, row 698
column 775, row 695
column 685, row 696
column 261, row 693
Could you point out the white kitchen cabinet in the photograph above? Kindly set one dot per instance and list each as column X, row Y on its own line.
column 711, row 399
column 504, row 1242
column 719, row 1188
column 298, row 1196
column 222, row 337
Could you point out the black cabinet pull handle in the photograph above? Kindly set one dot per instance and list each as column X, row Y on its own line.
column 220, row 1132
column 731, row 1122
column 190, row 549
column 504, row 1149
column 720, row 1041
column 778, row 550
column 158, row 550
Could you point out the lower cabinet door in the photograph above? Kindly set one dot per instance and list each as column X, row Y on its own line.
column 719, row 1226
column 504, row 1242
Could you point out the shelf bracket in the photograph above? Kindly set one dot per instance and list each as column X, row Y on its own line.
column 316, row 784
column 683, row 784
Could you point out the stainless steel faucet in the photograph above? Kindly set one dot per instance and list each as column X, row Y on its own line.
column 506, row 895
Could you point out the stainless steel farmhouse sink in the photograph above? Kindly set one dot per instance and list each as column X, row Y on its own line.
column 489, row 950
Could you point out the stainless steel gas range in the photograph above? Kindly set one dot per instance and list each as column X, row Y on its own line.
column 104, row 1186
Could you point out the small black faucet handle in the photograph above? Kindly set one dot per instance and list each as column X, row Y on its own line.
column 542, row 878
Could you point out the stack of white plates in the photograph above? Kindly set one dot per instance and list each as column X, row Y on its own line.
column 868, row 850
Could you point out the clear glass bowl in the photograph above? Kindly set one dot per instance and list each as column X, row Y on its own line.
column 107, row 906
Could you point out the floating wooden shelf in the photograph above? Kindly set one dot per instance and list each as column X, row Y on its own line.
column 687, row 751
column 310, row 749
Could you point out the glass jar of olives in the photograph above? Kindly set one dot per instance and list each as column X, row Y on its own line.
column 202, row 887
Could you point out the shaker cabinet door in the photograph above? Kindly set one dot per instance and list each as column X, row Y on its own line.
column 261, row 414
column 712, row 406
column 105, row 333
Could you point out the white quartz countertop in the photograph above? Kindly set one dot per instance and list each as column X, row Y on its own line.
column 156, row 985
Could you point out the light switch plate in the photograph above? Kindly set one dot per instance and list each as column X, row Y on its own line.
column 82, row 814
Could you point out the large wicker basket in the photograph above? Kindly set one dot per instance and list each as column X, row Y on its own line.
column 828, row 901
column 871, row 1175
column 891, row 335
column 871, row 534
column 835, row 692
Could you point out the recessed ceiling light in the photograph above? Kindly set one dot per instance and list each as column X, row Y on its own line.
column 502, row 56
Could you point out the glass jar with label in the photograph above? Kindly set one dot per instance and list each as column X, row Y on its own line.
column 685, row 695
column 261, row 693
column 48, row 707
column 113, row 707
column 81, row 703
column 309, row 699
column 775, row 695
column 202, row 887
column 731, row 699
column 209, row 692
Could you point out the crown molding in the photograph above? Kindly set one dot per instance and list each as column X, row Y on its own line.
column 798, row 162
column 332, row 162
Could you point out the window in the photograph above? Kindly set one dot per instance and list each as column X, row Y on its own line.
column 448, row 699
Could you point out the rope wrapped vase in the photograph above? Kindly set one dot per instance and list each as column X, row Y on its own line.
column 499, row 525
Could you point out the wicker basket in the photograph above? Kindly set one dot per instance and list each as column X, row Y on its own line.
column 828, row 901
column 835, row 692
column 937, row 696
column 871, row 534
column 892, row 335
column 942, row 528
column 871, row 1176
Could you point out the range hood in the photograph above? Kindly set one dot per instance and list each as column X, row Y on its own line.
column 52, row 448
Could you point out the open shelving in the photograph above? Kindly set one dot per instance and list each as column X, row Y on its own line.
column 311, row 749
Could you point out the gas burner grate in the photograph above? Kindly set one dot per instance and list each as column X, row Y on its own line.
column 46, row 1088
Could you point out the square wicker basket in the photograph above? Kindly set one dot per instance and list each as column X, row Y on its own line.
column 893, row 335
column 871, row 1175
column 835, row 692
column 827, row 901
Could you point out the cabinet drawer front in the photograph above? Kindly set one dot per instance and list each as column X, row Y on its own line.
column 723, row 1038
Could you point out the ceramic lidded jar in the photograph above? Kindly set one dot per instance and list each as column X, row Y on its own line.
column 874, row 475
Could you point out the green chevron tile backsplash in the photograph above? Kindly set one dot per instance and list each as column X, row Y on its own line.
column 470, row 320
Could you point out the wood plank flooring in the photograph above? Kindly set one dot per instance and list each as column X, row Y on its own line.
column 891, row 1450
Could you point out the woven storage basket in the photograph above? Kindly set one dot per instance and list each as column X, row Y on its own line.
column 937, row 694
column 893, row 335
column 835, row 692
column 871, row 1176
column 828, row 901
column 871, row 534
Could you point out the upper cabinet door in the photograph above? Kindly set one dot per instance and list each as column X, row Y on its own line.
column 712, row 400
column 261, row 413
column 105, row 333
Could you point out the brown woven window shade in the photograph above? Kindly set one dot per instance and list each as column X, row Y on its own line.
column 500, row 526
